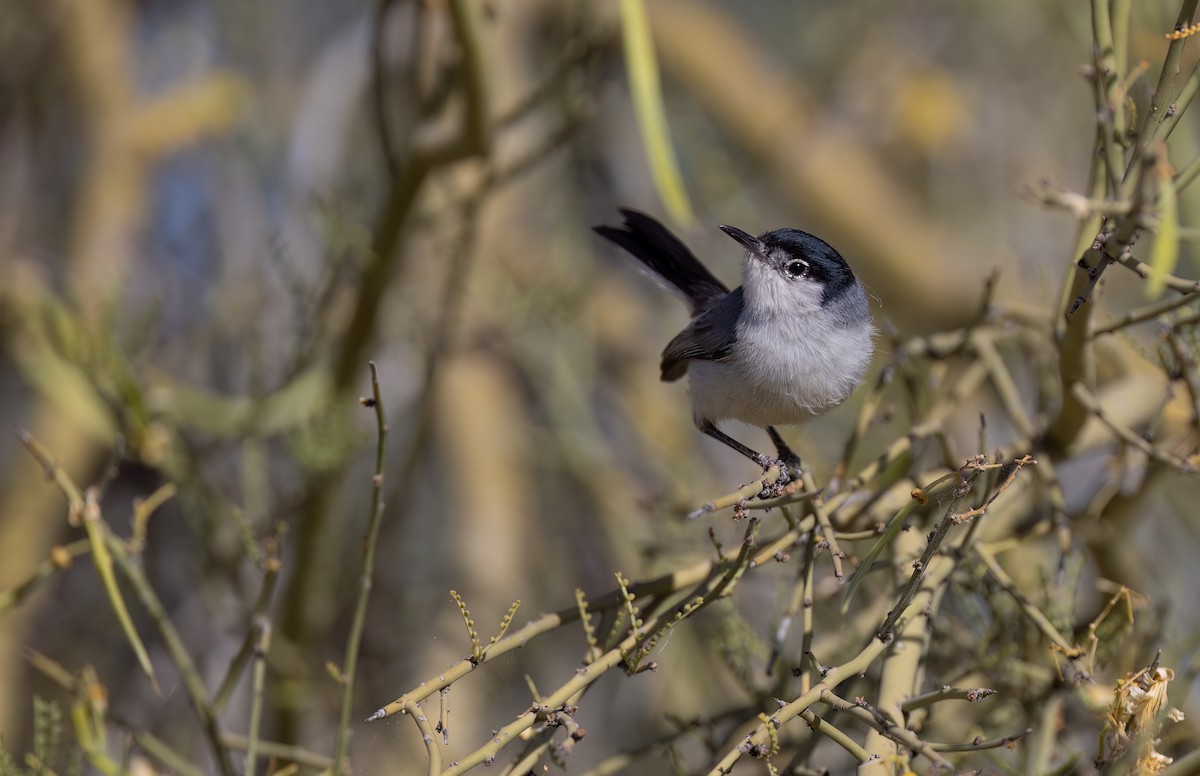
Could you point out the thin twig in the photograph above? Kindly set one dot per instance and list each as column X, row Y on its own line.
column 175, row 648
column 271, row 570
column 59, row 560
column 84, row 508
column 1153, row 451
column 431, row 748
column 830, row 731
column 379, row 106
column 966, row 475
column 1143, row 270
column 826, row 525
column 1079, row 205
column 1039, row 619
column 898, row 733
column 980, row 744
column 1148, row 312
column 1005, row 385
column 262, row 645
column 350, row 661
column 971, row 695
column 801, row 597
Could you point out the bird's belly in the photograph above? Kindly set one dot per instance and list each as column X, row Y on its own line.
column 755, row 386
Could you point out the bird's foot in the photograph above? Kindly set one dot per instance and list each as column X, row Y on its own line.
column 788, row 460
column 786, row 474
column 792, row 461
column 789, row 466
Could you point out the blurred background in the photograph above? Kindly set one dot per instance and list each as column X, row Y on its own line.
column 213, row 214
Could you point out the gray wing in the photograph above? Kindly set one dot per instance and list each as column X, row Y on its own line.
column 709, row 337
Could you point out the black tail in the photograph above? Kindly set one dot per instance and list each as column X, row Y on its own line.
column 667, row 257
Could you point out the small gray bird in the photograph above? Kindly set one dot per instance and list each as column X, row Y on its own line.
column 792, row 342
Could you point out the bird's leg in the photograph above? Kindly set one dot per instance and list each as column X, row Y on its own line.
column 786, row 454
column 709, row 428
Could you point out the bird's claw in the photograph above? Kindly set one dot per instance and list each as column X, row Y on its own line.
column 786, row 475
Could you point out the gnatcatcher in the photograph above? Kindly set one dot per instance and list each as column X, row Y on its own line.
column 792, row 342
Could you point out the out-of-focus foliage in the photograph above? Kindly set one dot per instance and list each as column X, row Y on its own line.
column 213, row 215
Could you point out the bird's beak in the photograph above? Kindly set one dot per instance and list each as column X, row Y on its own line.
column 752, row 243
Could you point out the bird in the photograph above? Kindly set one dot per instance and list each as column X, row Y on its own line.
column 788, row 345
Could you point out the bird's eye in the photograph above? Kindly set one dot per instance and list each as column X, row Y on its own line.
column 796, row 269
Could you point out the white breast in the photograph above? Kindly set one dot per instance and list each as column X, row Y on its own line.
column 781, row 374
